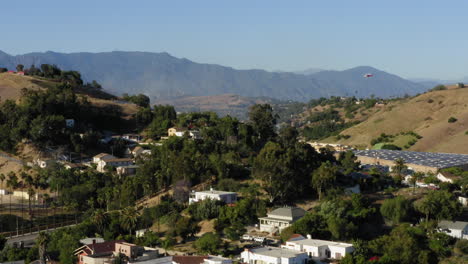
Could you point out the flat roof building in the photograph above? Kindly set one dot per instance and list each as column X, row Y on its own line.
column 416, row 161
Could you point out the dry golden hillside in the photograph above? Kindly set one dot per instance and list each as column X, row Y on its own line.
column 427, row 115
column 11, row 85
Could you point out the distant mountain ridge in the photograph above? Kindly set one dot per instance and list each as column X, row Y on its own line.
column 161, row 76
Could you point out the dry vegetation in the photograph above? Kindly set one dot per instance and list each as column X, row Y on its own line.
column 426, row 115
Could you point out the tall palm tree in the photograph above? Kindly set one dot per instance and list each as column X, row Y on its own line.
column 2, row 179
column 415, row 178
column 100, row 219
column 399, row 167
column 41, row 241
column 12, row 183
column 129, row 217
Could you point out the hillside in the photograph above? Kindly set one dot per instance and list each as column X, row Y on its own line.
column 162, row 76
column 11, row 85
column 427, row 115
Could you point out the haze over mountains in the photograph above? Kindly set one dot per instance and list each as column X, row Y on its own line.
column 162, row 76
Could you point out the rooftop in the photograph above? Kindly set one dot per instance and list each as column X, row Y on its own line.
column 215, row 192
column 460, row 225
column 292, row 212
column 429, row 159
column 318, row 243
column 276, row 252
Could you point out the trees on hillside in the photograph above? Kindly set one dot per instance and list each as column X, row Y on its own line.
column 323, row 177
column 439, row 205
column 396, row 210
column 398, row 168
column 263, row 121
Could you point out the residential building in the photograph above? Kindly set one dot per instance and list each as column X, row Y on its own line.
column 280, row 218
column 105, row 252
column 116, row 162
column 25, row 194
column 444, row 176
column 101, row 157
column 180, row 132
column 96, row 253
column 319, row 249
column 4, row 192
column 133, row 137
column 457, row 229
column 273, row 255
column 127, row 170
column 74, row 166
column 217, row 260
column 91, row 240
column 463, row 200
column 227, row 197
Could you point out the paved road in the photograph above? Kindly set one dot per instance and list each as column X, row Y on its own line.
column 29, row 240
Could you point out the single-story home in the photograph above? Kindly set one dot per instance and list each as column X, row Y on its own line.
column 457, row 229
column 227, row 197
column 444, row 176
column 102, row 156
column 116, row 162
column 273, row 255
column 318, row 249
column 280, row 218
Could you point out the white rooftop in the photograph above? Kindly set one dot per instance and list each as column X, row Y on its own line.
column 318, row 243
column 276, row 252
column 215, row 192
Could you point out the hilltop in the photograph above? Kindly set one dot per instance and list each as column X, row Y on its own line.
column 163, row 76
column 420, row 123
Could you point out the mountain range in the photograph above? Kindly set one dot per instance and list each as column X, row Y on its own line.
column 162, row 76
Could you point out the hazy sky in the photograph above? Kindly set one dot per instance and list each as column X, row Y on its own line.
column 407, row 37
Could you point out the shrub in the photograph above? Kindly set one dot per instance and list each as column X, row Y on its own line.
column 430, row 101
column 439, row 87
column 452, row 119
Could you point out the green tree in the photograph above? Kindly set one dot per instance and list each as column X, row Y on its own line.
column 263, row 121
column 129, row 217
column 323, row 177
column 41, row 241
column 19, row 67
column 209, row 243
column 396, row 210
column 439, row 205
column 348, row 162
column 415, row 178
column 398, row 168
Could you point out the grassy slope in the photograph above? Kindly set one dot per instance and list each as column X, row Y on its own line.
column 10, row 88
column 419, row 115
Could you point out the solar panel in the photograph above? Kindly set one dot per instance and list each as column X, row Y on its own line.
column 430, row 159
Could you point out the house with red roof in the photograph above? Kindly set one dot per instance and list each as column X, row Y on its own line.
column 87, row 253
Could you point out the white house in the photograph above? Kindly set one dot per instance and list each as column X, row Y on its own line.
column 273, row 255
column 127, row 170
column 457, row 229
column 280, row 218
column 318, row 249
column 180, row 132
column 227, row 197
column 463, row 200
column 102, row 156
column 116, row 162
column 446, row 177
column 217, row 260
column 4, row 192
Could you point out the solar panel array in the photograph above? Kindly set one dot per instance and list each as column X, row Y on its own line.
column 435, row 160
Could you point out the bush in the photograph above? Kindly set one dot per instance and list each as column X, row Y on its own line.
column 430, row 101
column 452, row 119
column 208, row 243
column 439, row 87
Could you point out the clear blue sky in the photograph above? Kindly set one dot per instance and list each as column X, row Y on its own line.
column 410, row 38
